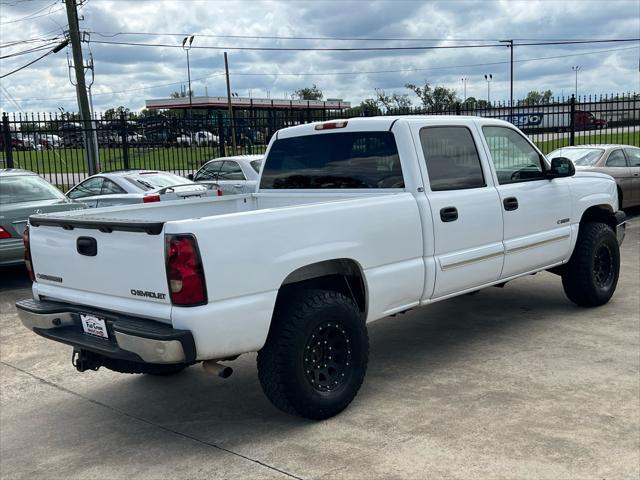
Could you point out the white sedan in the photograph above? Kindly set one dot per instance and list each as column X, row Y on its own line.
column 232, row 175
column 137, row 186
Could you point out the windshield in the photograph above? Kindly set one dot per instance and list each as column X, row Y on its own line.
column 582, row 157
column 256, row 164
column 27, row 188
column 155, row 180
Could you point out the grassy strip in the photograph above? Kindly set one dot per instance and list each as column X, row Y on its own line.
column 185, row 159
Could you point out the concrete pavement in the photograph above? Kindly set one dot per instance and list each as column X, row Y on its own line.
column 508, row 383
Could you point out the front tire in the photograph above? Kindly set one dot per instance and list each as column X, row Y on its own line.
column 316, row 354
column 591, row 276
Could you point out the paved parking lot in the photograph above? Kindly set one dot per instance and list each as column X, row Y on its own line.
column 507, row 383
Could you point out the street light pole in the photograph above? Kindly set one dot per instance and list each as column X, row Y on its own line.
column 575, row 69
column 489, row 79
column 186, row 45
column 464, row 81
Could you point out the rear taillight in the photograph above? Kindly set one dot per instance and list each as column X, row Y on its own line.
column 219, row 193
column 150, row 198
column 4, row 233
column 27, row 253
column 184, row 271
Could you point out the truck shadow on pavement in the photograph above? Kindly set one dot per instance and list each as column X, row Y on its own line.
column 13, row 278
column 405, row 353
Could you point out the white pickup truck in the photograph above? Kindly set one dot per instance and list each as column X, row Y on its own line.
column 352, row 221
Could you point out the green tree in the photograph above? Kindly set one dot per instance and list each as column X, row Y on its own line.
column 393, row 101
column 308, row 93
column 535, row 97
column 435, row 99
column 114, row 113
column 182, row 94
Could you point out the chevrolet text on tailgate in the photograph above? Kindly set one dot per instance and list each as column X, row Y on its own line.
column 352, row 221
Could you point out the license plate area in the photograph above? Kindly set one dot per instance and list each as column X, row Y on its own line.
column 94, row 326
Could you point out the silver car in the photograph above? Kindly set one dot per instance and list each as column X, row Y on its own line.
column 232, row 174
column 136, row 186
column 622, row 162
column 23, row 193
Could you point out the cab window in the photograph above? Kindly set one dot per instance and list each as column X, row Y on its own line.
column 452, row 158
column 88, row 188
column 514, row 158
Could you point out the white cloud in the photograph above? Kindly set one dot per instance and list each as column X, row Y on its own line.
column 45, row 85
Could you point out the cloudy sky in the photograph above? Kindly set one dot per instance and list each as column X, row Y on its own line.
column 127, row 75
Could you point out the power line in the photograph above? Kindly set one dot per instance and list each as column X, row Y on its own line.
column 350, row 39
column 443, row 67
column 30, row 50
column 33, row 15
column 360, row 49
column 53, row 50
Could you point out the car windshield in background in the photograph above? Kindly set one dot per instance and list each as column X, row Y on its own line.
column 153, row 181
column 256, row 164
column 334, row 160
column 27, row 188
column 582, row 157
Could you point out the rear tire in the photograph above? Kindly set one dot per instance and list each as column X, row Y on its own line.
column 316, row 354
column 591, row 276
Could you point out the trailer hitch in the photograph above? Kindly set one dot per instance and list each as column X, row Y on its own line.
column 85, row 360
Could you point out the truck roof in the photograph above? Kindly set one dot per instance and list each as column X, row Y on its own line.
column 384, row 123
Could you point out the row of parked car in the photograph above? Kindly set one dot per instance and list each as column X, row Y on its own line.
column 23, row 193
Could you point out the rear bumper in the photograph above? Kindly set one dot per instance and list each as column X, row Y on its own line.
column 11, row 251
column 621, row 226
column 133, row 339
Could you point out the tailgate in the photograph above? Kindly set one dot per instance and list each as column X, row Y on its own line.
column 109, row 265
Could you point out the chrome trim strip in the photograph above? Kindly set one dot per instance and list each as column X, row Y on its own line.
column 471, row 260
column 152, row 351
column 537, row 244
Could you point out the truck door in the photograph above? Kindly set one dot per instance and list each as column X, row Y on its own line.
column 467, row 219
column 536, row 210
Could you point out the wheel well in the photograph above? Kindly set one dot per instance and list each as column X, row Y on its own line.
column 341, row 275
column 619, row 197
column 600, row 214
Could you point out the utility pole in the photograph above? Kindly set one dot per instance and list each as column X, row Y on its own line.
column 81, row 86
column 233, row 127
column 510, row 45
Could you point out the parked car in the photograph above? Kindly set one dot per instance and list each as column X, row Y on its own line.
column 204, row 138
column 23, row 193
column 622, row 162
column 183, row 140
column 232, row 174
column 353, row 221
column 49, row 141
column 136, row 186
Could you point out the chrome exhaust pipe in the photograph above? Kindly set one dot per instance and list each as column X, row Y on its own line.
column 214, row 368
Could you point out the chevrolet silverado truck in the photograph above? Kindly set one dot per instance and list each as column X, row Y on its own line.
column 352, row 221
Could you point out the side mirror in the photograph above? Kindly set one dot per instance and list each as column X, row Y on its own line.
column 190, row 176
column 561, row 167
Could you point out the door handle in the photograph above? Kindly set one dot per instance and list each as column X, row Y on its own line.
column 510, row 203
column 238, row 185
column 449, row 214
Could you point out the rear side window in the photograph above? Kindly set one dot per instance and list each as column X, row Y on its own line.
column 452, row 158
column 616, row 159
column 334, row 160
column 633, row 154
column 230, row 171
